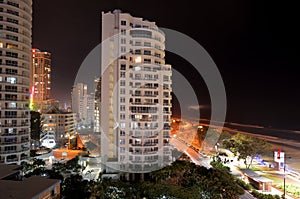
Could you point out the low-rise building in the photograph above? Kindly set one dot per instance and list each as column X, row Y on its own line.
column 62, row 123
column 257, row 181
column 12, row 185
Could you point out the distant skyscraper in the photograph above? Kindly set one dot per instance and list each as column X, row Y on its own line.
column 41, row 75
column 15, row 61
column 83, row 105
column 135, row 96
column 97, row 105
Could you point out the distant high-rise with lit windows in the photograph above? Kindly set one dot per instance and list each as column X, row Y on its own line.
column 83, row 104
column 40, row 76
column 135, row 96
column 15, row 62
column 97, row 105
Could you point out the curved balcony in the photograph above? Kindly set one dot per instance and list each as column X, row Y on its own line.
column 18, row 34
column 17, row 42
column 2, row 143
column 22, row 13
column 13, row 134
column 14, row 151
column 147, row 32
column 18, row 59
column 13, row 91
column 22, row 125
column 28, row 25
column 17, row 67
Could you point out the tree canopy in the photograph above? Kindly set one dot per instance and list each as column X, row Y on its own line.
column 182, row 179
column 246, row 147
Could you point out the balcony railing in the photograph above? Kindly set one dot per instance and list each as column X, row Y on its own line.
column 140, row 103
column 13, row 142
column 150, row 152
column 14, row 151
column 150, row 144
column 11, row 160
column 135, row 144
column 150, row 161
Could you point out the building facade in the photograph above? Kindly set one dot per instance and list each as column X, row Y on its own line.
column 62, row 123
column 15, row 62
column 135, row 95
column 97, row 105
column 83, row 105
column 41, row 75
column 12, row 185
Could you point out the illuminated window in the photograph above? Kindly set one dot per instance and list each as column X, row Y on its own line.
column 122, row 141
column 122, row 125
column 13, row 105
column 138, row 59
column 11, row 80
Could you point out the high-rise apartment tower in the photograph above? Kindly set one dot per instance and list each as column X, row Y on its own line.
column 135, row 96
column 15, row 62
column 41, row 75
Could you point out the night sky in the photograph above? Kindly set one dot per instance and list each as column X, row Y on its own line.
column 253, row 43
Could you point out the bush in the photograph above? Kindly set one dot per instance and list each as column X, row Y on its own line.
column 243, row 184
column 220, row 166
column 264, row 196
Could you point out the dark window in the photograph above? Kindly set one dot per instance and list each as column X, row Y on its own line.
column 123, row 66
column 123, row 23
column 13, row 12
column 12, row 21
column 13, row 4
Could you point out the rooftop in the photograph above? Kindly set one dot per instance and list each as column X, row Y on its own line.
column 27, row 188
column 7, row 170
column 255, row 176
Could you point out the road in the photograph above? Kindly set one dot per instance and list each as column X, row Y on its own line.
column 194, row 155
column 185, row 147
column 198, row 160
